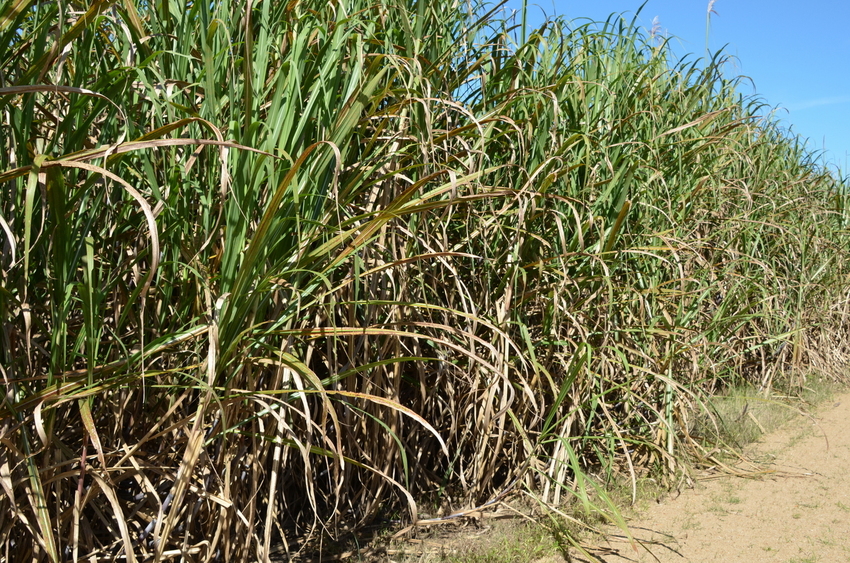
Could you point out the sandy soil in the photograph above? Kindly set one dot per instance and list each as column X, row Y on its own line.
column 796, row 512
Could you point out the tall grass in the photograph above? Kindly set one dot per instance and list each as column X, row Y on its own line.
column 275, row 270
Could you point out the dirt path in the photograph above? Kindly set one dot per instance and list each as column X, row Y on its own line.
column 799, row 513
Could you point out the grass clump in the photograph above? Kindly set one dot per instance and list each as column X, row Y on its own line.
column 524, row 543
column 272, row 268
column 741, row 415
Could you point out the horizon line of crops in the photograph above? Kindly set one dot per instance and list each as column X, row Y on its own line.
column 278, row 270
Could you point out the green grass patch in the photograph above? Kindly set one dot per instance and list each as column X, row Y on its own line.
column 742, row 415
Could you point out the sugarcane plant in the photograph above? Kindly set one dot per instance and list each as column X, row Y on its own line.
column 274, row 271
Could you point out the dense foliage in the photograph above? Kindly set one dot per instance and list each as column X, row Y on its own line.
column 280, row 268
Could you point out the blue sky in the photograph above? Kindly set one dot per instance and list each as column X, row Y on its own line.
column 796, row 53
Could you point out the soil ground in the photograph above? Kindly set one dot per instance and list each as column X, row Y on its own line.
column 796, row 511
